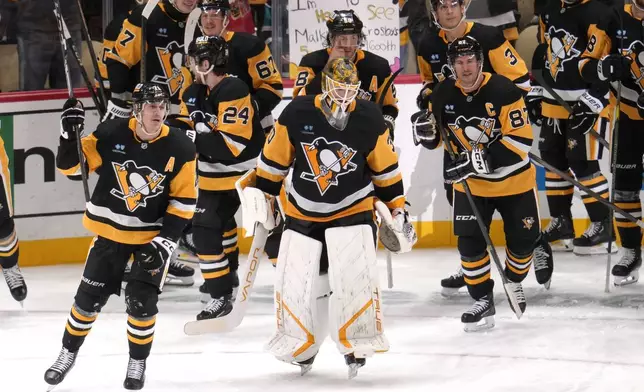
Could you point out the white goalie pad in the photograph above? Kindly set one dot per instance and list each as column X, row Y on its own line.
column 301, row 316
column 396, row 234
column 355, row 310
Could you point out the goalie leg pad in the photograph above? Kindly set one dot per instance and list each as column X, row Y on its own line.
column 355, row 310
column 298, row 285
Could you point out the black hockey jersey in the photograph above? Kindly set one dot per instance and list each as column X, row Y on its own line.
column 110, row 36
column 164, row 54
column 566, row 30
column 144, row 189
column 494, row 116
column 230, row 151
column 373, row 72
column 252, row 62
column 607, row 38
column 499, row 56
column 335, row 173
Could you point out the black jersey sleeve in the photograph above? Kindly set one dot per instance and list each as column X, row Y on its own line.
column 267, row 80
column 504, row 59
column 309, row 69
column 126, row 52
column 67, row 160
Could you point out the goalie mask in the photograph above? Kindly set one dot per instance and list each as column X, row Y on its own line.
column 465, row 57
column 208, row 54
column 215, row 16
column 448, row 9
column 150, row 95
column 340, row 86
column 345, row 32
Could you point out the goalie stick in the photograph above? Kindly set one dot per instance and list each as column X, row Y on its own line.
column 70, row 92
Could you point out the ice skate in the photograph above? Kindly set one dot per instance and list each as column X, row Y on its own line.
column 543, row 263
column 560, row 234
column 135, row 377
column 58, row 371
column 216, row 307
column 179, row 274
column 595, row 240
column 481, row 316
column 626, row 271
column 186, row 250
column 305, row 366
column 16, row 282
column 453, row 283
column 354, row 364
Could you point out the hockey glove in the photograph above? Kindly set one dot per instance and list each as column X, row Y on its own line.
column 117, row 108
column 259, row 207
column 585, row 113
column 153, row 256
column 424, row 129
column 204, row 122
column 73, row 115
column 468, row 163
column 533, row 103
column 422, row 101
column 396, row 233
column 613, row 67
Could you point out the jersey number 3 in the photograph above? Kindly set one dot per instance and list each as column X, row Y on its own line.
column 232, row 113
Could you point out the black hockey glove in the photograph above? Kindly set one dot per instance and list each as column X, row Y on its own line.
column 117, row 108
column 422, row 101
column 533, row 103
column 585, row 113
column 204, row 122
column 424, row 129
column 153, row 256
column 613, row 67
column 73, row 115
column 468, row 163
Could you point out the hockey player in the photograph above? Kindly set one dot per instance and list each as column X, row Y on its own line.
column 164, row 56
column 345, row 38
column 499, row 57
column 566, row 140
column 9, row 244
column 486, row 121
column 145, row 195
column 229, row 139
column 342, row 157
column 614, row 55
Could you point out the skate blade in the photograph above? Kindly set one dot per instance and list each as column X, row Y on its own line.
column 621, row 281
column 51, row 387
column 305, row 369
column 485, row 324
column 449, row 292
column 185, row 281
column 205, row 298
column 562, row 246
column 187, row 256
column 601, row 249
column 547, row 284
column 353, row 370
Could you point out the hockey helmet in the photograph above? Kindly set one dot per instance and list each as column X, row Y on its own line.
column 465, row 46
column 344, row 22
column 149, row 93
column 435, row 4
column 214, row 5
column 212, row 48
column 340, row 87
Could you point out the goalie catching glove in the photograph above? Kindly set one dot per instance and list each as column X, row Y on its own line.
column 154, row 255
column 396, row 233
column 468, row 163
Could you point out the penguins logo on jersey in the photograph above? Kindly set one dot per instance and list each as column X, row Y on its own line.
column 137, row 184
column 635, row 52
column 170, row 59
column 561, row 49
column 475, row 130
column 327, row 161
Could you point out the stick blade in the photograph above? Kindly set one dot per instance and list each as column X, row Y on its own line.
column 512, row 298
column 218, row 325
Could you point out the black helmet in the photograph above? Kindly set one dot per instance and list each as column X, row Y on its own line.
column 212, row 48
column 344, row 22
column 466, row 46
column 149, row 92
column 207, row 5
column 436, row 3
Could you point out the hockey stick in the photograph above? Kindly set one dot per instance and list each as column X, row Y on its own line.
column 191, row 27
column 102, row 96
column 537, row 74
column 589, row 191
column 147, row 10
column 70, row 93
column 507, row 285
column 613, row 158
column 68, row 46
column 385, row 89
column 232, row 320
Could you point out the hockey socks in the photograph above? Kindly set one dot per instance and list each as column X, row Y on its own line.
column 140, row 333
column 79, row 323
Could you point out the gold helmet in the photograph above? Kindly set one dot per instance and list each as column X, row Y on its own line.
column 340, row 82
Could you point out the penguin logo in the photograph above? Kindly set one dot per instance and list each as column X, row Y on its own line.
column 446, row 72
column 635, row 52
column 136, row 184
column 327, row 162
column 474, row 130
column 171, row 60
column 561, row 48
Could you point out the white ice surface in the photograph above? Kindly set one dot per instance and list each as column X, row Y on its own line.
column 572, row 338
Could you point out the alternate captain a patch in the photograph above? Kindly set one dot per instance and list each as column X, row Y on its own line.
column 137, row 184
column 327, row 161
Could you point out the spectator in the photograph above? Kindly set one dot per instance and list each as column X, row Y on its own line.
column 7, row 16
column 257, row 7
column 39, row 48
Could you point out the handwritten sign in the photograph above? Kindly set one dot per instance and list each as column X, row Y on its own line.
column 307, row 27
